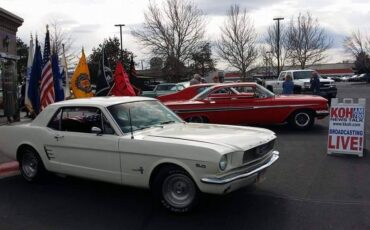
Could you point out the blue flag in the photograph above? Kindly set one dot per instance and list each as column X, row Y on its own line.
column 35, row 77
column 58, row 79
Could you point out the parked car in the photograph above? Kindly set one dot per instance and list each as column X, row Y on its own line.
column 137, row 141
column 185, row 94
column 301, row 79
column 163, row 89
column 250, row 103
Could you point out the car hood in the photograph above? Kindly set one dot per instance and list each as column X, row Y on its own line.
column 234, row 137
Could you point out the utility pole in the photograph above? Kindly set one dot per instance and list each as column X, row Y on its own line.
column 278, row 43
column 120, row 33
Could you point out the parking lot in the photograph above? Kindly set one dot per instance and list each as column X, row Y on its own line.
column 305, row 189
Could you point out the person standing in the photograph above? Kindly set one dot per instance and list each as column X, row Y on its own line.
column 315, row 84
column 196, row 79
column 288, row 85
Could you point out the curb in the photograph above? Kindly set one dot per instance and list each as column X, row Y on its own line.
column 9, row 167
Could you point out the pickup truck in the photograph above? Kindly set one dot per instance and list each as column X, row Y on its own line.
column 301, row 79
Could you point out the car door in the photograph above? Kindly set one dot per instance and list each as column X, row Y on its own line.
column 216, row 105
column 249, row 107
column 278, row 89
column 83, row 143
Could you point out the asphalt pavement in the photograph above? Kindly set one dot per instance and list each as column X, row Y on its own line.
column 305, row 189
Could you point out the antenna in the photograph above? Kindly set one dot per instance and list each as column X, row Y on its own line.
column 129, row 116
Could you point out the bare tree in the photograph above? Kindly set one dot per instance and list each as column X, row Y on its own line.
column 272, row 48
column 357, row 43
column 59, row 36
column 172, row 31
column 237, row 44
column 266, row 59
column 307, row 41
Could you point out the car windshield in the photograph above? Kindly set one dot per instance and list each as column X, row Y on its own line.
column 262, row 92
column 144, row 114
column 166, row 87
column 302, row 75
column 203, row 93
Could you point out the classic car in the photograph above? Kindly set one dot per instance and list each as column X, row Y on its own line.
column 185, row 94
column 163, row 89
column 137, row 141
column 250, row 103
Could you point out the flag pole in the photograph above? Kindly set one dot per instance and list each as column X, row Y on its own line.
column 67, row 90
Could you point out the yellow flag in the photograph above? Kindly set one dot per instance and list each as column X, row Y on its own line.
column 80, row 82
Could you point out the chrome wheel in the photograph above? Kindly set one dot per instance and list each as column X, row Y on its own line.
column 30, row 164
column 302, row 119
column 178, row 190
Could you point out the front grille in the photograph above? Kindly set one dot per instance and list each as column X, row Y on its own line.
column 257, row 152
column 326, row 85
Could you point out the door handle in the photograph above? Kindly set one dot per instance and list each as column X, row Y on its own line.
column 57, row 137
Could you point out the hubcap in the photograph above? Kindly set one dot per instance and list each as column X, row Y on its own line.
column 178, row 190
column 29, row 164
column 302, row 119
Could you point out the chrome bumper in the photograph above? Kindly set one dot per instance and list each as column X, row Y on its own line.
column 322, row 113
column 275, row 156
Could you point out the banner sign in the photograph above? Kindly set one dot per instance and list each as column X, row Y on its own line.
column 346, row 127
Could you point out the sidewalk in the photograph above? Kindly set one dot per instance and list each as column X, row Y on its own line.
column 9, row 166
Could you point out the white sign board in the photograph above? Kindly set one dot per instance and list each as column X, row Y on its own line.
column 346, row 127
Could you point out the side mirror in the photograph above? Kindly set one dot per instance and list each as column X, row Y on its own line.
column 96, row 130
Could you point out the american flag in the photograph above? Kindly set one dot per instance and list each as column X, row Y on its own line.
column 47, row 85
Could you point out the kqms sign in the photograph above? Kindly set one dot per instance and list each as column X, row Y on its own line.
column 346, row 127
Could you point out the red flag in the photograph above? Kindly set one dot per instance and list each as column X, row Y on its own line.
column 122, row 86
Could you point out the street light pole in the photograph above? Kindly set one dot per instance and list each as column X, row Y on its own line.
column 278, row 43
column 120, row 33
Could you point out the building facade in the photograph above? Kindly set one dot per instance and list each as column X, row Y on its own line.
column 9, row 24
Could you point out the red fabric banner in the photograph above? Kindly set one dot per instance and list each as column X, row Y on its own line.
column 122, row 86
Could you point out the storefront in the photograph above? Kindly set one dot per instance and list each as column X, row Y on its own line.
column 9, row 24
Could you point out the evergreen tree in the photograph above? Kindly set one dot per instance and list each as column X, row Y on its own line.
column 203, row 62
column 112, row 54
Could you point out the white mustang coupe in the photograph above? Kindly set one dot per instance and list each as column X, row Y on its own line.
column 139, row 142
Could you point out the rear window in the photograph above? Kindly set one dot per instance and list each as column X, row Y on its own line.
column 302, row 75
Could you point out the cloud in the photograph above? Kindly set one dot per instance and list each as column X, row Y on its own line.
column 220, row 7
column 86, row 28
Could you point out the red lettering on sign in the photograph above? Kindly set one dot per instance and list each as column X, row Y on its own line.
column 341, row 112
column 354, row 143
column 344, row 141
column 349, row 112
column 333, row 112
column 330, row 144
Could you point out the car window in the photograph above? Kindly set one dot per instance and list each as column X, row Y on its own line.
column 282, row 76
column 165, row 87
column 141, row 115
column 180, row 87
column 80, row 119
column 302, row 75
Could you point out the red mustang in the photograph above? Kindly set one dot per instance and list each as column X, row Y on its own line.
column 246, row 103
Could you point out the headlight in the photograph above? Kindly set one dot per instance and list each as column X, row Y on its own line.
column 223, row 163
